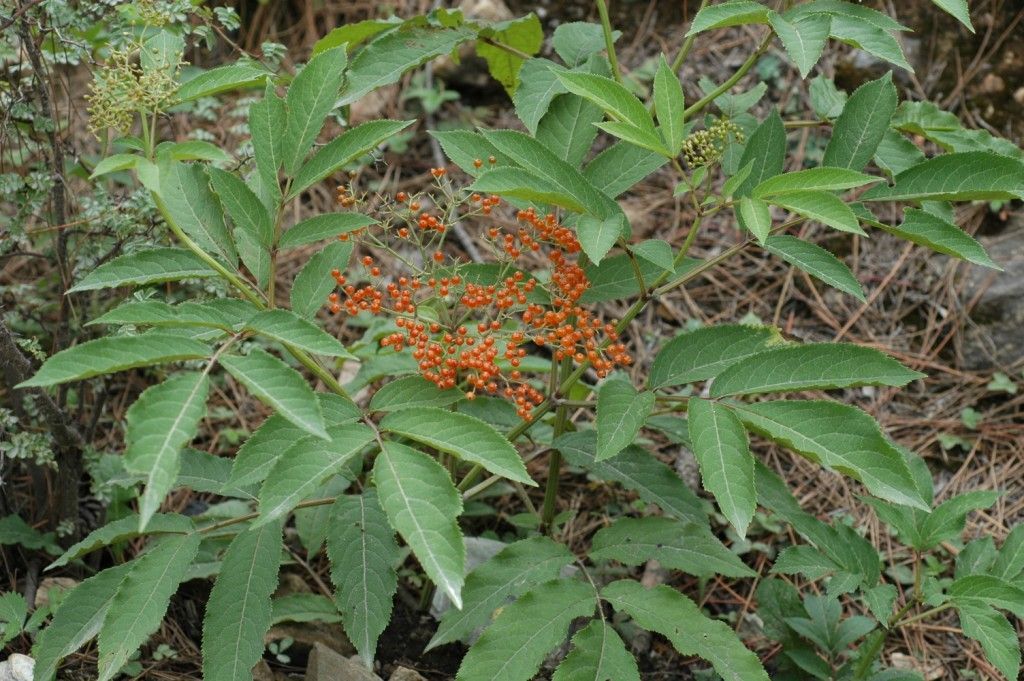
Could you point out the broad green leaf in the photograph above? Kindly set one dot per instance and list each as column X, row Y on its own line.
column 194, row 150
column 668, row 612
column 880, row 601
column 568, row 129
column 967, row 176
column 860, row 128
column 221, row 79
column 267, row 120
column 516, row 568
column 621, row 412
column 731, row 13
column 114, row 163
column 363, row 553
column 539, row 161
column 813, row 179
column 513, row 647
column 353, row 35
column 412, row 391
column 15, row 531
column 896, row 153
column 254, row 256
column 204, row 472
column 822, row 207
column 946, row 522
column 257, row 455
column 615, row 277
column 383, row 61
column 804, row 38
column 804, row 560
column 598, row 654
column 238, row 612
column 872, row 39
column 679, row 546
column 816, row 261
column 924, row 229
column 294, row 331
column 726, row 464
column 756, row 216
column 957, row 8
column 616, row 101
column 152, row 266
column 245, row 209
column 838, row 437
column 621, row 166
column 423, row 505
column 123, row 529
column 811, row 366
column 636, row 470
column 826, row 99
column 1010, row 562
column 669, row 106
column 523, row 34
column 164, row 419
column 522, row 184
column 314, row 282
column 304, row 466
column 704, row 353
column 463, row 436
column 640, row 137
column 538, row 89
column 142, row 599
column 598, row 235
column 311, row 96
column 977, row 557
column 313, row 522
column 852, row 10
column 185, row 189
column 115, row 353
column 766, row 148
column 77, row 620
column 278, row 386
column 655, row 251
column 342, row 150
column 987, row 590
column 998, row 638
column 325, row 226
column 576, row 41
column 464, row 148
column 303, row 607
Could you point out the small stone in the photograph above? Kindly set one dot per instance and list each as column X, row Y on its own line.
column 58, row 583
column 17, row 667
column 992, row 84
column 1018, row 95
column 327, row 665
column 406, row 674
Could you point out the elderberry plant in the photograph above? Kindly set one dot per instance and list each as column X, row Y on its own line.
column 497, row 366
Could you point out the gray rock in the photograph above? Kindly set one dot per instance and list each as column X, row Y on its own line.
column 17, row 668
column 995, row 336
column 327, row 665
column 406, row 674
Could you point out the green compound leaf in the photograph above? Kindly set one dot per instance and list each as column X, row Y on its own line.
column 294, row 331
column 304, row 607
column 669, row 105
column 116, row 353
column 731, row 13
column 621, row 412
column 122, row 529
column 621, row 166
column 598, row 654
column 516, row 568
column 244, row 208
column 185, row 189
column 676, row 545
column 159, row 424
column 538, row 89
column 514, row 646
column 668, row 612
column 304, row 466
column 77, row 620
column 222, row 313
column 838, row 437
column 423, row 505
column 153, row 266
column 278, row 386
column 238, row 613
column 705, row 353
column 257, row 455
column 726, row 464
column 756, row 216
column 637, row 470
column 343, row 150
column 568, row 129
column 311, row 96
column 412, row 391
column 326, row 226
column 860, row 128
column 965, row 176
column 522, row 184
column 822, row 207
column 523, row 34
column 616, row 101
column 313, row 284
column 925, row 229
column 817, row 262
column 222, row 79
column 463, row 436
column 998, row 638
column 765, row 153
column 363, row 553
column 267, row 119
column 598, row 235
column 804, row 38
column 142, row 599
column 813, row 179
column 813, row 366
column 1010, row 562
column 958, row 9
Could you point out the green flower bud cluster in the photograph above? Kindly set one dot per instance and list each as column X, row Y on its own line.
column 121, row 88
column 705, row 147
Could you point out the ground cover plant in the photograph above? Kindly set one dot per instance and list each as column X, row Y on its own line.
column 498, row 370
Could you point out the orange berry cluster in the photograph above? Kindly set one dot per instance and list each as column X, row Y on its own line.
column 483, row 350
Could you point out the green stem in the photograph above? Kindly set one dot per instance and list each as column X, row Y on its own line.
column 684, row 51
column 732, row 80
column 609, row 40
column 547, row 516
column 924, row 615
